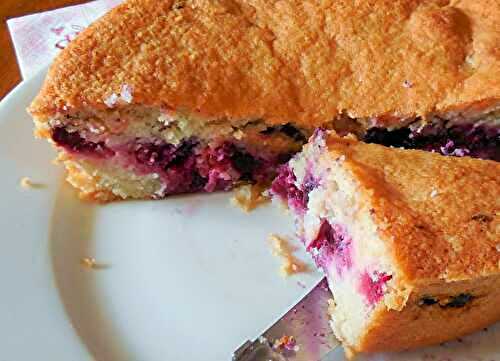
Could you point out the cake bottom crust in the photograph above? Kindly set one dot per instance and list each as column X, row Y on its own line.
column 107, row 183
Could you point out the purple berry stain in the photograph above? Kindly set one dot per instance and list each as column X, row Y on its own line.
column 332, row 244
column 284, row 186
column 372, row 286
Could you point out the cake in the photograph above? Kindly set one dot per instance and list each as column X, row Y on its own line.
column 409, row 240
column 174, row 96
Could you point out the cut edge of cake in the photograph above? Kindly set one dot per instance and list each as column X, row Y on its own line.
column 397, row 281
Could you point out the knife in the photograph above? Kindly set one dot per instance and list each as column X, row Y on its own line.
column 307, row 322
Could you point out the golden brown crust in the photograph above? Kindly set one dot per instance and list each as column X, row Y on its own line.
column 439, row 216
column 306, row 61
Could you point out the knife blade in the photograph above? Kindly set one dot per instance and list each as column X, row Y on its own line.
column 307, row 322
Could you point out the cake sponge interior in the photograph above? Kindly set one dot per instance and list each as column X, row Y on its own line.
column 408, row 239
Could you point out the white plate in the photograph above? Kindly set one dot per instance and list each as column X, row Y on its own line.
column 190, row 278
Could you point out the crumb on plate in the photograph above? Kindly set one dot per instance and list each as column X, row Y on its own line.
column 91, row 263
column 27, row 183
column 291, row 265
column 248, row 197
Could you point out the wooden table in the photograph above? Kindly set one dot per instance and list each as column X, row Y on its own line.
column 9, row 71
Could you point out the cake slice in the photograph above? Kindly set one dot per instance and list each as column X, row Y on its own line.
column 161, row 97
column 409, row 240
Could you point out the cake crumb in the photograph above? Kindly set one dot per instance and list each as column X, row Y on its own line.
column 434, row 193
column 27, row 183
column 238, row 134
column 248, row 197
column 91, row 263
column 281, row 248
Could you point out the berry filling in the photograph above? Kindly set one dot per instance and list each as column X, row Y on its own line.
column 187, row 167
column 308, row 185
column 427, row 301
column 332, row 245
column 73, row 142
column 284, row 186
column 456, row 301
column 372, row 286
column 192, row 166
column 459, row 300
column 478, row 141
column 289, row 130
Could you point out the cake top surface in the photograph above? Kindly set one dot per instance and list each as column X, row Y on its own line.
column 439, row 216
column 306, row 61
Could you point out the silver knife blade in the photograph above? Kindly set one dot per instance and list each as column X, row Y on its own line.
column 307, row 322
